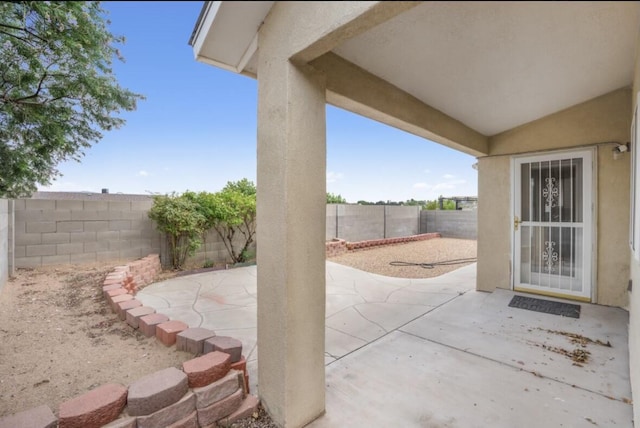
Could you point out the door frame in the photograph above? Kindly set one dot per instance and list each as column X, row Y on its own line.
column 592, row 152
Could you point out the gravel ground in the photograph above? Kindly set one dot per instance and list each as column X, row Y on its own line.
column 378, row 259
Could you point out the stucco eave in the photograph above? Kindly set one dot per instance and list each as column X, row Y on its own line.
column 584, row 124
column 354, row 89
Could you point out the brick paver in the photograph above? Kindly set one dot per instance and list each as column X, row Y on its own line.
column 192, row 339
column 38, row 417
column 207, row 395
column 170, row 414
column 206, row 369
column 156, row 391
column 190, row 421
column 225, row 344
column 147, row 324
column 133, row 315
column 168, row 331
column 219, row 410
column 123, row 307
column 95, row 408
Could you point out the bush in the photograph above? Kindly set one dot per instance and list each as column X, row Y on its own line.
column 180, row 219
column 231, row 212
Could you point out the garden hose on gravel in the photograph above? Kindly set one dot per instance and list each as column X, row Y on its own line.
column 434, row 264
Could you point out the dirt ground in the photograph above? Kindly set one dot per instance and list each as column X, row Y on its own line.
column 59, row 338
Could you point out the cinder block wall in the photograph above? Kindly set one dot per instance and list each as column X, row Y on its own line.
column 214, row 251
column 360, row 222
column 4, row 242
column 366, row 222
column 401, row 221
column 116, row 227
column 450, row 224
column 54, row 231
column 106, row 227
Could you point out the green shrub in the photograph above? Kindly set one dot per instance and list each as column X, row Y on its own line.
column 179, row 217
column 231, row 212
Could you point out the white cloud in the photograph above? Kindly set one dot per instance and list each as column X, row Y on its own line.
column 143, row 173
column 447, row 185
column 448, row 176
column 67, row 186
column 420, row 186
column 332, row 177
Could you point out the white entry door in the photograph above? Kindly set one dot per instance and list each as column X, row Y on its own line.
column 553, row 224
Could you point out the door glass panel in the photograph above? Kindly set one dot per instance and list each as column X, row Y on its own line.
column 551, row 234
column 551, row 191
column 525, row 191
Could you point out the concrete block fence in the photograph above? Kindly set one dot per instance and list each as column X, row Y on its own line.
column 60, row 231
column 450, row 224
column 211, row 389
column 366, row 222
column 53, row 228
column 84, row 228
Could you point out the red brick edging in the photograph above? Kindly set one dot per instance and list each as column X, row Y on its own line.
column 337, row 246
column 210, row 389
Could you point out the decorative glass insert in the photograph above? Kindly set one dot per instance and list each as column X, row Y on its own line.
column 549, row 256
column 551, row 192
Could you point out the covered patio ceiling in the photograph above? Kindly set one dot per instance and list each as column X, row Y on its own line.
column 492, row 66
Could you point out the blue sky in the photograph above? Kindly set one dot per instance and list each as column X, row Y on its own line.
column 197, row 128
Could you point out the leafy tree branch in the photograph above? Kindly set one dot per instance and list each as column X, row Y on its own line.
column 58, row 93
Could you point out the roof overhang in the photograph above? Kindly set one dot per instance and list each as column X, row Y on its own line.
column 225, row 34
column 491, row 66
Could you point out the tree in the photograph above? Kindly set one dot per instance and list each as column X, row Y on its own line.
column 232, row 214
column 335, row 199
column 57, row 88
column 180, row 218
column 447, row 204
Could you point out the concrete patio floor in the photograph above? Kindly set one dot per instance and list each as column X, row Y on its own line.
column 431, row 352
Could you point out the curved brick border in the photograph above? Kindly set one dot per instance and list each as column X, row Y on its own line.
column 218, row 395
column 337, row 246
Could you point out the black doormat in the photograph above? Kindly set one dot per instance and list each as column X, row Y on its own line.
column 545, row 306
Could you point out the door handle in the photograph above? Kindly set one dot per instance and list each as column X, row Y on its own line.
column 516, row 222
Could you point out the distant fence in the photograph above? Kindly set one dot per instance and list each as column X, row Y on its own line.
column 450, row 224
column 365, row 222
column 115, row 227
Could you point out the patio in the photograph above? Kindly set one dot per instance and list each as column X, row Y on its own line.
column 431, row 352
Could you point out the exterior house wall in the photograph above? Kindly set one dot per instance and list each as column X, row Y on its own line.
column 4, row 242
column 634, row 294
column 603, row 119
column 494, row 223
column 634, row 336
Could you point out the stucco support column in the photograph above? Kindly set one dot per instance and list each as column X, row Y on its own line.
column 494, row 223
column 291, row 217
